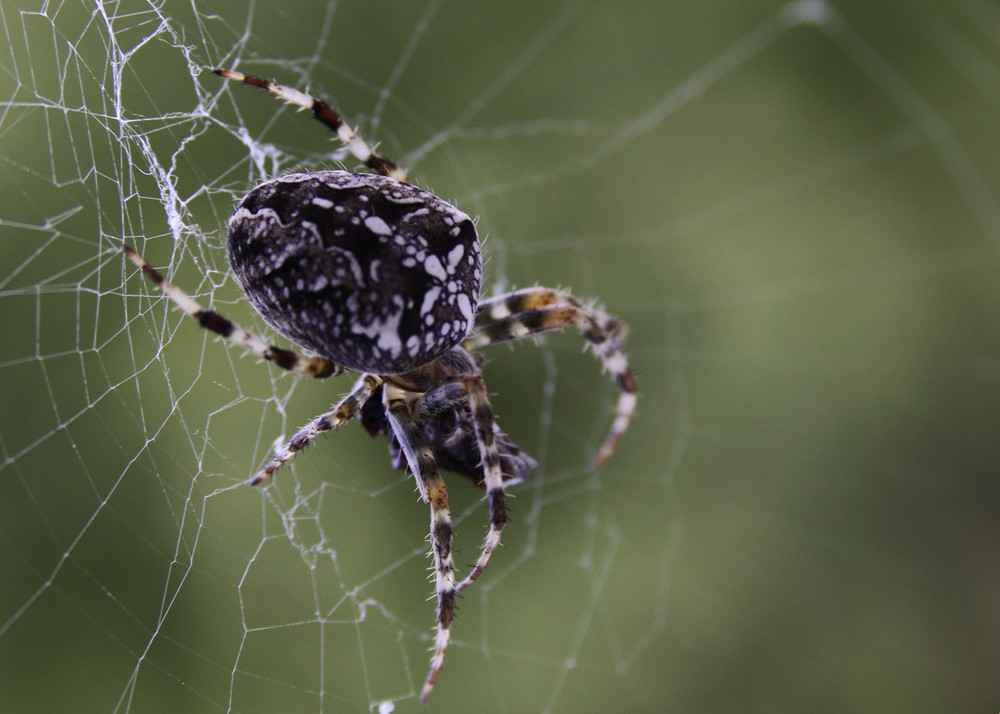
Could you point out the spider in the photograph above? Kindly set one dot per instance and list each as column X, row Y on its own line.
column 377, row 276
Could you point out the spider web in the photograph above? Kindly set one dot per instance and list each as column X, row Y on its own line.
column 793, row 205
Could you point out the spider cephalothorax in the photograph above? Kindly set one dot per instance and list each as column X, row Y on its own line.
column 377, row 276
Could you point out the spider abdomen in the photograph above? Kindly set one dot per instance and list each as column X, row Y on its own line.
column 374, row 274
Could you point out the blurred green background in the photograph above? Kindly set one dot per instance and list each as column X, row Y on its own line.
column 796, row 209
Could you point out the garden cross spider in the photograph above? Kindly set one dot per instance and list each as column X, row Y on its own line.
column 377, row 276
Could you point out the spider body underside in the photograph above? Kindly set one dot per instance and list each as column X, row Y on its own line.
column 379, row 277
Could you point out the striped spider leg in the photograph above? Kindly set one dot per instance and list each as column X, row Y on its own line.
column 458, row 387
column 316, row 367
column 451, row 383
column 344, row 410
column 530, row 311
column 432, row 489
column 322, row 111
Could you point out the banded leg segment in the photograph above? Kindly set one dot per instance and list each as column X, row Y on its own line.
column 433, row 492
column 317, row 367
column 449, row 395
column 496, row 496
column 531, row 311
column 346, row 409
column 322, row 111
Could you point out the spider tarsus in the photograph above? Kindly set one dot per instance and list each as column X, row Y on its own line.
column 605, row 450
column 440, row 646
column 259, row 476
column 240, row 77
column 142, row 264
column 470, row 578
column 491, row 544
column 596, row 460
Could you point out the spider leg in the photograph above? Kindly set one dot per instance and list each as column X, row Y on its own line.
column 432, row 491
column 445, row 396
column 345, row 409
column 482, row 419
column 317, row 367
column 322, row 111
column 531, row 311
